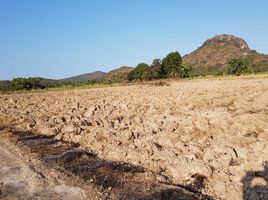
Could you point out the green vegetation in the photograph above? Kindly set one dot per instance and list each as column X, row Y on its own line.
column 169, row 67
column 204, row 71
column 39, row 84
column 238, row 65
column 172, row 66
column 141, row 72
column 260, row 67
column 27, row 84
column 230, row 77
column 157, row 69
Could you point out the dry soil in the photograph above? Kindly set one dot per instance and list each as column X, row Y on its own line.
column 191, row 139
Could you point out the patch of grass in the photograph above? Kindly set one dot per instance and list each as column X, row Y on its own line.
column 230, row 77
column 61, row 88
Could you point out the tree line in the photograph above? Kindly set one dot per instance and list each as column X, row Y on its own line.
column 18, row 84
column 171, row 67
column 24, row 84
column 168, row 67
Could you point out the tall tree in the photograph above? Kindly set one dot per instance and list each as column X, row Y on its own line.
column 172, row 65
column 142, row 71
column 157, row 69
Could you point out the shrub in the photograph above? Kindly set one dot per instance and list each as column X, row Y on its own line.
column 238, row 65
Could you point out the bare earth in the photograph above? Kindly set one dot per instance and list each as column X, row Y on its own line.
column 204, row 137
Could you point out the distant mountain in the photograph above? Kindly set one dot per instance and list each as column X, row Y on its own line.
column 97, row 75
column 216, row 51
column 118, row 75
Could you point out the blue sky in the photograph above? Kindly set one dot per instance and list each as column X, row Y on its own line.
column 61, row 38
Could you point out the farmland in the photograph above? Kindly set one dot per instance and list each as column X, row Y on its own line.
column 194, row 139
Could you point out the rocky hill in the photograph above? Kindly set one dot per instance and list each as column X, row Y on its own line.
column 216, row 51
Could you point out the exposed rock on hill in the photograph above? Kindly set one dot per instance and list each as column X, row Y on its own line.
column 216, row 51
column 228, row 40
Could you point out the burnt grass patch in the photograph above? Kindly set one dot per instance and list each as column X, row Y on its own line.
column 117, row 180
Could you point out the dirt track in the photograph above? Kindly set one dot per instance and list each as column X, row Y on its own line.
column 210, row 135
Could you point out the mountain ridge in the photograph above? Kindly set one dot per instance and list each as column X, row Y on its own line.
column 96, row 75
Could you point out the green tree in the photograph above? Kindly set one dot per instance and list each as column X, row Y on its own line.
column 21, row 84
column 142, row 72
column 172, row 65
column 157, row 69
column 30, row 83
column 130, row 75
column 238, row 65
column 35, row 83
column 5, row 86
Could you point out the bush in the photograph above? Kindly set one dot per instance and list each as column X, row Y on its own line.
column 238, row 65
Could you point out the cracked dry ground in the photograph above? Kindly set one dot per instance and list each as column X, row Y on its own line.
column 190, row 140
